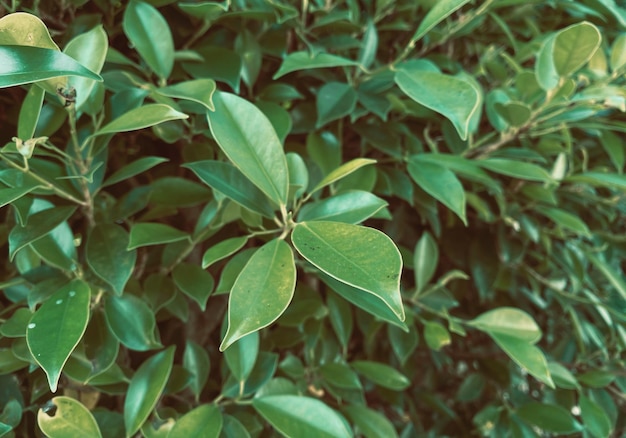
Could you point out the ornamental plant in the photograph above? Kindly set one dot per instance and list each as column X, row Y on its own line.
column 312, row 219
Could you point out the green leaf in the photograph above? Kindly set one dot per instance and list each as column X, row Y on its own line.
column 439, row 182
column 15, row 326
column 220, row 64
column 508, row 321
column 29, row 112
column 618, row 53
column 515, row 113
column 351, row 207
column 595, row 419
column 57, row 327
column 135, row 168
column 150, row 34
column 359, row 256
column 241, row 356
column 381, row 374
column 610, row 180
column 340, row 375
column 22, row 65
column 142, row 117
column 262, row 291
column 249, row 140
column 197, row 362
column 526, row 355
column 227, row 179
column 9, row 195
column 23, row 29
column 440, row 10
column 194, row 282
column 562, row 377
column 436, row 335
column 565, row 219
column 131, row 321
column 574, row 46
column 545, row 70
column 342, row 171
column 222, row 250
column 371, row 423
column 515, row 169
column 39, row 224
column 198, row 90
column 334, row 101
column 107, row 256
column 369, row 47
column 205, row 421
column 304, row 61
column 301, row 417
column 208, row 11
column 450, row 96
column 145, row 388
column 550, row 418
column 425, row 260
column 71, row 419
column 616, row 279
column 150, row 233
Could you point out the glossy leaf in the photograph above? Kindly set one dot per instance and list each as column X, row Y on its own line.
column 9, row 195
column 450, row 96
column 351, row 207
column 108, row 257
column 222, row 250
column 303, row 417
column 545, row 70
column 131, row 321
column 508, row 321
column 197, row 362
column 135, row 168
column 371, row 423
column 526, row 355
column 549, row 417
column 29, row 112
column 142, row 117
column 262, row 291
column 516, row 169
column 56, row 328
column 71, row 419
column 425, row 260
column 439, row 11
column 205, row 421
column 574, row 46
column 194, row 282
column 198, row 90
column 381, row 374
column 150, row 233
column 23, row 29
column 342, row 171
column 242, row 355
column 304, row 61
column 145, row 388
column 440, row 183
column 150, row 34
column 248, row 139
column 345, row 252
column 334, row 101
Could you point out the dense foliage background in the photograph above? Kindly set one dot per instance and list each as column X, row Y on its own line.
column 352, row 218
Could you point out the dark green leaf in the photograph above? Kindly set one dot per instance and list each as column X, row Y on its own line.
column 304, row 61
column 551, row 418
column 198, row 90
column 131, row 321
column 108, row 257
column 135, row 168
column 371, row 424
column 334, row 101
column 351, row 207
column 145, row 234
column 381, row 374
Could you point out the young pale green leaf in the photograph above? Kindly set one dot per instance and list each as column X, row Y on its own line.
column 205, row 421
column 342, row 171
column 440, row 183
column 516, row 169
column 545, row 70
column 305, row 61
column 508, row 321
column 194, row 282
column 23, row 29
column 57, row 327
column 334, row 101
column 227, row 179
column 249, row 140
column 198, row 90
column 440, row 10
column 381, row 374
column 222, row 250
column 145, row 388
column 150, row 33
column 351, row 207
column 618, row 53
column 371, row 423
column 565, row 220
column 574, row 46
column 151, row 233
column 107, row 256
column 23, row 64
column 261, row 292
column 89, row 49
column 135, row 168
column 614, row 277
column 550, row 418
column 241, row 356
column 142, row 117
column 594, row 417
column 301, row 417
column 358, row 256
column 131, row 321
column 39, row 225
column 197, row 362
column 29, row 112
column 450, row 96
column 526, row 355
column 71, row 419
column 436, row 335
column 425, row 260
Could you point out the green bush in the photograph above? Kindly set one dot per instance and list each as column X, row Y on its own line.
column 312, row 219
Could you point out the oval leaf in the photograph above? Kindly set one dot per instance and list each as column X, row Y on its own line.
column 526, row 355
column 142, row 117
column 550, row 418
column 131, row 321
column 301, row 417
column 358, row 256
column 351, row 207
column 194, row 282
column 262, row 291
column 198, row 90
column 334, row 101
column 71, row 419
column 108, row 257
column 249, row 140
column 425, row 260
column 145, row 388
column 57, row 327
column 242, row 355
column 203, row 422
column 371, row 423
column 574, row 46
column 508, row 321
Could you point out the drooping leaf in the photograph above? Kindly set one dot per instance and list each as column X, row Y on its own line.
column 450, row 96
column 305, row 61
column 131, row 169
column 425, row 260
column 262, row 291
column 205, row 421
column 371, row 423
column 151, row 233
column 145, row 388
column 142, row 117
column 194, row 282
column 526, row 355
column 57, row 327
column 131, row 321
column 249, row 140
column 574, row 46
column 71, row 419
column 303, row 417
column 198, row 90
column 197, row 362
column 440, row 10
column 108, row 257
column 340, row 375
column 150, row 34
column 359, row 256
column 369, row 47
column 508, row 321
column 242, row 355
